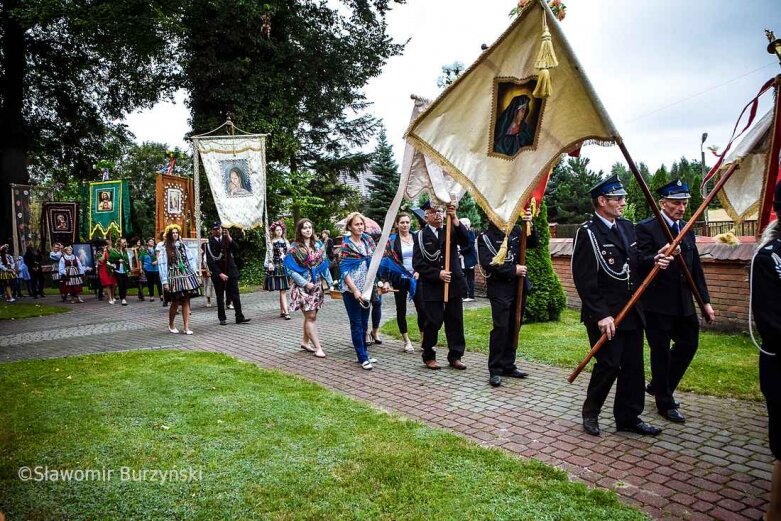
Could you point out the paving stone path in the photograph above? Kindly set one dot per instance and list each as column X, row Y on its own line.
column 716, row 466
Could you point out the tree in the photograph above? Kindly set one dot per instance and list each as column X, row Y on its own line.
column 449, row 74
column 384, row 181
column 301, row 83
column 68, row 72
column 567, row 194
column 546, row 300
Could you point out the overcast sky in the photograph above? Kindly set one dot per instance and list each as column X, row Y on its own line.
column 666, row 71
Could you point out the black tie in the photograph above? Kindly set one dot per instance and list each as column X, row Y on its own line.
column 620, row 234
column 676, row 228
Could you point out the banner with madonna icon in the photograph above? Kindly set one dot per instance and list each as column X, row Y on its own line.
column 107, row 209
column 235, row 166
column 175, row 203
column 61, row 222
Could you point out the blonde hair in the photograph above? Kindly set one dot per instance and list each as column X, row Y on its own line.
column 350, row 218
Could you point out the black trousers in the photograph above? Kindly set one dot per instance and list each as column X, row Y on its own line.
column 501, row 351
column 231, row 288
column 620, row 359
column 401, row 310
column 122, row 284
column 669, row 363
column 469, row 275
column 452, row 315
column 152, row 282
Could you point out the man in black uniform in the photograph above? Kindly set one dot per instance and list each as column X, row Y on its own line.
column 221, row 251
column 765, row 301
column 502, row 288
column 667, row 302
column 428, row 259
column 604, row 269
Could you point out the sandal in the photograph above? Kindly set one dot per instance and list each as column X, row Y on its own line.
column 320, row 354
column 308, row 348
column 376, row 338
column 173, row 330
column 286, row 316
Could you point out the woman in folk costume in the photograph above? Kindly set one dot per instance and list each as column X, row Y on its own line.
column 71, row 271
column 55, row 255
column 355, row 257
column 7, row 273
column 180, row 283
column 106, row 270
column 276, row 274
column 119, row 258
column 396, row 267
column 307, row 266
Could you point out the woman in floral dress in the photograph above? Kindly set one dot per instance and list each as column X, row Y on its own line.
column 307, row 266
column 71, row 272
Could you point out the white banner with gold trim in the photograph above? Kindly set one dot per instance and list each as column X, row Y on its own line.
column 236, row 169
column 496, row 132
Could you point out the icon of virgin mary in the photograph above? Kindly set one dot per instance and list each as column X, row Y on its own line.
column 513, row 131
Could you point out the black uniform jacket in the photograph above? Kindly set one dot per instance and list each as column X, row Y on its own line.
column 605, row 272
column 430, row 286
column 226, row 264
column 501, row 280
column 766, row 295
column 669, row 293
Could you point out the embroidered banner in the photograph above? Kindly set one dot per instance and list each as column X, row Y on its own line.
column 27, row 203
column 236, row 169
column 61, row 222
column 175, row 203
column 489, row 130
column 107, row 209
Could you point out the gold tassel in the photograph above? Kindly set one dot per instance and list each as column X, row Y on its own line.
column 501, row 255
column 546, row 60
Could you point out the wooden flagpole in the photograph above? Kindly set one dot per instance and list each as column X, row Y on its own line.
column 663, row 225
column 650, row 277
column 521, row 286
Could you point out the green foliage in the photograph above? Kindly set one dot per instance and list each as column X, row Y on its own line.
column 546, row 300
column 567, row 194
column 450, row 73
column 467, row 207
column 264, row 445
column 302, row 85
column 384, row 181
column 252, row 253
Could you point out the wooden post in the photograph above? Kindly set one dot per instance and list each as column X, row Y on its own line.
column 650, row 277
column 649, row 199
column 521, row 286
column 447, row 257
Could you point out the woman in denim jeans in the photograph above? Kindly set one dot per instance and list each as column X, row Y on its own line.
column 355, row 256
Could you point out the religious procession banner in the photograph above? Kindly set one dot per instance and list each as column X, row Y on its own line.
column 107, row 209
column 506, row 121
column 175, row 203
column 27, row 202
column 61, row 222
column 744, row 191
column 236, row 169
column 423, row 175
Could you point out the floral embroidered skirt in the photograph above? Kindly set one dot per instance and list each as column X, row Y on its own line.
column 71, row 282
column 276, row 279
column 305, row 300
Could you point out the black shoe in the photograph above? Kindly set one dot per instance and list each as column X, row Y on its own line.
column 649, row 389
column 591, row 426
column 495, row 380
column 516, row 373
column 640, row 428
column 673, row 415
column 223, row 323
column 242, row 320
column 165, row 304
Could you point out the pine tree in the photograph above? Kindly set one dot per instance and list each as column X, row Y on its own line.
column 546, row 300
column 384, row 180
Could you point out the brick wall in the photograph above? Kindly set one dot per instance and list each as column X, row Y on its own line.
column 726, row 272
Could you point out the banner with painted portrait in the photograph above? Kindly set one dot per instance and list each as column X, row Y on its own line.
column 236, row 169
column 61, row 222
column 107, row 209
column 27, row 202
column 175, row 203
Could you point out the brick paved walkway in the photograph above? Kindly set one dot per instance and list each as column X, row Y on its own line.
column 716, row 466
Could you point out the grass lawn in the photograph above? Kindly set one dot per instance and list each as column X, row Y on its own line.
column 725, row 364
column 262, row 446
column 27, row 309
